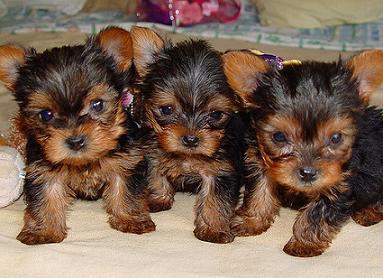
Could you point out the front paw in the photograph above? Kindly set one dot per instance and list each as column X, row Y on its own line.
column 157, row 205
column 206, row 233
column 132, row 225
column 30, row 237
column 367, row 217
column 242, row 225
column 298, row 249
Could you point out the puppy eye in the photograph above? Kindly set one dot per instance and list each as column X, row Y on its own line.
column 46, row 115
column 216, row 115
column 279, row 137
column 336, row 138
column 97, row 105
column 166, row 110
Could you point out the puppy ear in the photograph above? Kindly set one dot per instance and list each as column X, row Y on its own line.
column 11, row 57
column 242, row 71
column 117, row 43
column 367, row 68
column 146, row 43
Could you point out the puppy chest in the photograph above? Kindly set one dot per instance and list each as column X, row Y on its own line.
column 86, row 184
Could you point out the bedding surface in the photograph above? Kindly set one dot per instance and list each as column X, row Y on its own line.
column 93, row 249
column 59, row 15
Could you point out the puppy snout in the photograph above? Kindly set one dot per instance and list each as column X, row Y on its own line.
column 76, row 142
column 308, row 174
column 190, row 141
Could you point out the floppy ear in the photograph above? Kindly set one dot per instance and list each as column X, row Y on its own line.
column 11, row 57
column 367, row 68
column 146, row 43
column 117, row 43
column 242, row 71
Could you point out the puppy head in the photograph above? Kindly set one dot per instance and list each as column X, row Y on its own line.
column 69, row 97
column 187, row 99
column 305, row 117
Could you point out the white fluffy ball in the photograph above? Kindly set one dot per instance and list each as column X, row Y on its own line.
column 11, row 175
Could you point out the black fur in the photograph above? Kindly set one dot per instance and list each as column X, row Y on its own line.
column 366, row 164
column 191, row 75
column 313, row 93
column 56, row 172
column 67, row 74
column 193, row 72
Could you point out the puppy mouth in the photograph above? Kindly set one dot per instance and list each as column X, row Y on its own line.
column 75, row 152
column 307, row 185
column 315, row 185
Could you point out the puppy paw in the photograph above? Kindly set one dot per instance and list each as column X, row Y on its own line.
column 367, row 217
column 248, row 226
column 132, row 225
column 298, row 249
column 365, row 222
column 208, row 234
column 157, row 205
column 40, row 237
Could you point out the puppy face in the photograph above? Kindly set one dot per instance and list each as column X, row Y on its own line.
column 306, row 122
column 187, row 99
column 305, row 118
column 70, row 97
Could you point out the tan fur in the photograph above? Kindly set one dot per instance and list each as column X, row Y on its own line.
column 105, row 177
column 48, row 223
column 17, row 134
column 282, row 164
column 125, row 214
column 242, row 69
column 99, row 169
column 42, row 101
column 161, row 192
column 308, row 241
column 369, row 216
column 99, row 92
column 170, row 140
column 11, row 57
column 117, row 43
column 367, row 68
column 212, row 216
column 175, row 166
column 275, row 166
column 146, row 43
column 260, row 205
column 100, row 138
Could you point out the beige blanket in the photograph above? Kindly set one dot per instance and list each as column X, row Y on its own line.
column 93, row 249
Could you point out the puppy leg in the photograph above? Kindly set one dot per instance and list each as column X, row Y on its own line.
column 44, row 218
column 161, row 192
column 317, row 225
column 258, row 211
column 370, row 215
column 125, row 202
column 214, row 208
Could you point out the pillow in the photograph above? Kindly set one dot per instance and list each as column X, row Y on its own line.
column 126, row 6
column 313, row 13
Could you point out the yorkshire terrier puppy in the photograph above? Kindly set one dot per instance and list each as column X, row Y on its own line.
column 79, row 143
column 191, row 108
column 314, row 144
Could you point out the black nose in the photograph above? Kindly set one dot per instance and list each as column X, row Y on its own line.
column 308, row 174
column 190, row 141
column 75, row 142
